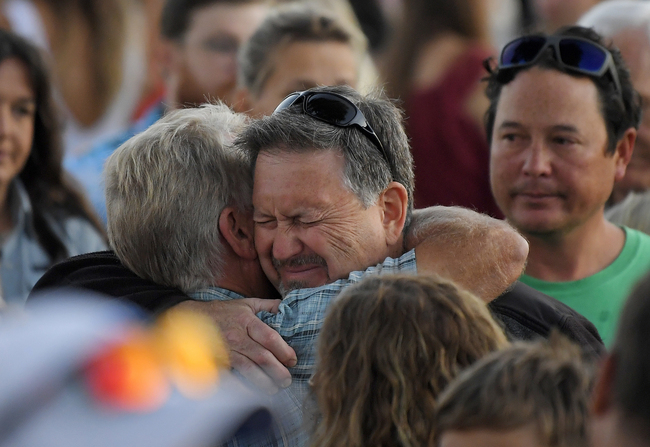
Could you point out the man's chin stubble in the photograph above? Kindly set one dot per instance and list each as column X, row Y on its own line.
column 291, row 285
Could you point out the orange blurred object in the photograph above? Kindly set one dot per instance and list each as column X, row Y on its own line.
column 136, row 373
column 191, row 348
column 128, row 375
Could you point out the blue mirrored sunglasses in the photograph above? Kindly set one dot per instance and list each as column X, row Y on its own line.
column 573, row 53
column 333, row 109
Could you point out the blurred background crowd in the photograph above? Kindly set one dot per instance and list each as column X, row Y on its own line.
column 78, row 78
column 117, row 65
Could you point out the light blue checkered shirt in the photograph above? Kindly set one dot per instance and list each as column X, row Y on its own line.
column 298, row 321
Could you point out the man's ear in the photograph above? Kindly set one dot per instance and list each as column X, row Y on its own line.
column 394, row 203
column 243, row 101
column 624, row 149
column 601, row 402
column 236, row 227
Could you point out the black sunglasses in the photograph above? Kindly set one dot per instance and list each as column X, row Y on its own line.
column 334, row 109
column 573, row 53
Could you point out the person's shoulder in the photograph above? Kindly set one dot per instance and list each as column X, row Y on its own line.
column 104, row 273
column 636, row 236
column 76, row 270
column 534, row 313
column 406, row 263
column 637, row 247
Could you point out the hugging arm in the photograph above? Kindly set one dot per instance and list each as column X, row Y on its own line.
column 257, row 352
column 482, row 254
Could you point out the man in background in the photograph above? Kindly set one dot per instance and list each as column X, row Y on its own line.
column 297, row 47
column 561, row 137
column 200, row 41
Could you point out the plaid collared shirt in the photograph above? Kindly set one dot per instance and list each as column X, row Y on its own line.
column 298, row 321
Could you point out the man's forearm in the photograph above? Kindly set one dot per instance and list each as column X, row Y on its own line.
column 480, row 253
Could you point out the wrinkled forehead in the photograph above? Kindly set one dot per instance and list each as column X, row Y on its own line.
column 299, row 158
column 293, row 174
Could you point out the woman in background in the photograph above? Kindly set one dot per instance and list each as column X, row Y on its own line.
column 97, row 54
column 43, row 219
column 435, row 67
column 387, row 348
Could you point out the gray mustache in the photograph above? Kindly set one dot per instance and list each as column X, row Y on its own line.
column 298, row 261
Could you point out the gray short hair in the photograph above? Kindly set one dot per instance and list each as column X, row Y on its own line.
column 288, row 24
column 165, row 191
column 612, row 17
column 366, row 173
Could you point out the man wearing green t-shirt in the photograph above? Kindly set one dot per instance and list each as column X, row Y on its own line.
column 562, row 124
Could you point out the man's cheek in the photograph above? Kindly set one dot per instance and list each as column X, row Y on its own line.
column 341, row 242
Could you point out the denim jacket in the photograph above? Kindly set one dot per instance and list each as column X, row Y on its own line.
column 24, row 260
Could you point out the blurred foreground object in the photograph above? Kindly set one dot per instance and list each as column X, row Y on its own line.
column 81, row 371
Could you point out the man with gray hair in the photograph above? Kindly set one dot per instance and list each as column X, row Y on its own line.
column 627, row 24
column 177, row 196
column 333, row 194
column 297, row 46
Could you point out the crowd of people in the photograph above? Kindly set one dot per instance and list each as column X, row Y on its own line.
column 325, row 223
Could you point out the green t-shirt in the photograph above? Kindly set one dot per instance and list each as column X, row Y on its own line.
column 600, row 297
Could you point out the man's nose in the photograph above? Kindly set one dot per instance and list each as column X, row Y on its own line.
column 286, row 243
column 537, row 160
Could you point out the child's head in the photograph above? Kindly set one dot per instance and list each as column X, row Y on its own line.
column 527, row 395
column 388, row 346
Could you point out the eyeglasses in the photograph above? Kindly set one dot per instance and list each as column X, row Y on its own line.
column 334, row 109
column 573, row 53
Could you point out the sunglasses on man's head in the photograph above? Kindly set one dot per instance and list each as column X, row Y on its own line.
column 334, row 109
column 573, row 53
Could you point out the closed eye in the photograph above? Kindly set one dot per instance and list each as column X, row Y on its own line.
column 309, row 222
column 262, row 221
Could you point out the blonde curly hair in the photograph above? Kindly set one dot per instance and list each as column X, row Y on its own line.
column 387, row 348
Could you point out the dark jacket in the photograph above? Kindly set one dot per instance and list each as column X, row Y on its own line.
column 524, row 312
column 527, row 314
column 103, row 272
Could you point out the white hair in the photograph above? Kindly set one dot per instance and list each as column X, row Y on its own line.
column 611, row 17
column 166, row 189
